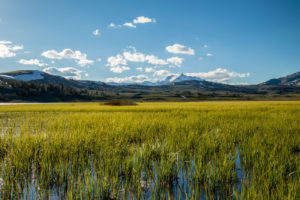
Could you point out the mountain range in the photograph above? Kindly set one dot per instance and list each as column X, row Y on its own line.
column 25, row 85
column 45, row 78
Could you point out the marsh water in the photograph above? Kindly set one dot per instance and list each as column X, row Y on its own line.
column 183, row 186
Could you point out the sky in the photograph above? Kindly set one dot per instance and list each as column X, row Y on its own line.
column 235, row 42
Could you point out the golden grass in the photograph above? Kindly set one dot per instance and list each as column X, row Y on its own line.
column 92, row 151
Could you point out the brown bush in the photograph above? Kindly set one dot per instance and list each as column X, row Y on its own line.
column 120, row 103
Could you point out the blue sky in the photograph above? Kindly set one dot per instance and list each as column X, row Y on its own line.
column 224, row 41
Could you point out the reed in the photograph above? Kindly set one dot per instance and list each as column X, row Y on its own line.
column 241, row 150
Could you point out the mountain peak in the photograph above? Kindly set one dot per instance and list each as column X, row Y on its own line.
column 289, row 80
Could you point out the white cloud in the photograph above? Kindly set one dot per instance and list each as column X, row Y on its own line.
column 67, row 72
column 68, row 54
column 218, row 75
column 209, row 54
column 117, row 64
column 143, row 20
column 134, row 57
column 99, row 60
column 205, row 46
column 114, row 61
column 149, row 69
column 238, row 83
column 180, row 49
column 96, row 32
column 111, row 25
column 7, row 50
column 5, row 42
column 84, row 62
column 175, row 61
column 130, row 79
column 129, row 24
column 138, row 20
column 140, row 57
column 52, row 61
column 32, row 62
column 161, row 73
column 119, row 69
column 154, row 60
column 139, row 69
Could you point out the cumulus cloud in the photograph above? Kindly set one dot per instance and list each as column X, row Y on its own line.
column 180, row 49
column 84, row 62
column 129, row 24
column 149, row 69
column 67, row 72
column 130, row 79
column 175, row 61
column 139, row 69
column 161, row 73
column 7, row 49
column 132, row 24
column 114, row 61
column 134, row 57
column 32, row 62
column 209, row 54
column 117, row 64
column 69, row 54
column 154, row 60
column 119, row 69
column 143, row 20
column 5, row 42
column 219, row 75
column 205, row 46
column 96, row 32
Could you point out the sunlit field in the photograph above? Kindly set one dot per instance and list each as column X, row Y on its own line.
column 203, row 150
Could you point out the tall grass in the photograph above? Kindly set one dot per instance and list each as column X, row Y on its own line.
column 240, row 150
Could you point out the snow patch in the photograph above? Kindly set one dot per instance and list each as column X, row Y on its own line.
column 35, row 75
column 6, row 77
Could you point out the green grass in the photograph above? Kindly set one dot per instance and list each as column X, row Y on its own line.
column 240, row 150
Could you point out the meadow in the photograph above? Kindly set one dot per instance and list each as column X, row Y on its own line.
column 194, row 150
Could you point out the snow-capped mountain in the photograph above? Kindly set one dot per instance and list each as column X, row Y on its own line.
column 178, row 78
column 45, row 78
column 169, row 79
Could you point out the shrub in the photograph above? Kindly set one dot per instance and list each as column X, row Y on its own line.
column 120, row 103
